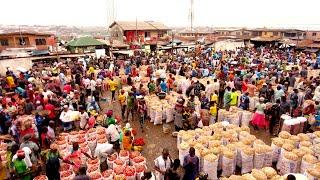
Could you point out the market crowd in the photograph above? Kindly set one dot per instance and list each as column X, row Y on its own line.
column 38, row 104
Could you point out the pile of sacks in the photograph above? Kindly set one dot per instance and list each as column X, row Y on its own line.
column 223, row 146
column 264, row 173
column 235, row 116
column 297, row 153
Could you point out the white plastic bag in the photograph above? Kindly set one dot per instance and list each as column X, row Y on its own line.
column 158, row 117
column 200, row 124
column 169, row 115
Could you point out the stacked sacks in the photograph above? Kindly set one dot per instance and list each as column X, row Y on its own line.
column 210, row 165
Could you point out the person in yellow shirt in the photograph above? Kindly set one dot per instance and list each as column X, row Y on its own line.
column 123, row 102
column 214, row 97
column 234, row 97
column 213, row 112
column 113, row 88
column 10, row 81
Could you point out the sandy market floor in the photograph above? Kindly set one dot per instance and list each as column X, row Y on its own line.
column 156, row 140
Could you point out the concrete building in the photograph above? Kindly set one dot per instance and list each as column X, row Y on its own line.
column 26, row 40
column 138, row 33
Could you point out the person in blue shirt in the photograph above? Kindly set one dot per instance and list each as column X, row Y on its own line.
column 163, row 86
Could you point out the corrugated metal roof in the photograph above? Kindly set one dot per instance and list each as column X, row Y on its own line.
column 25, row 33
column 140, row 25
column 85, row 41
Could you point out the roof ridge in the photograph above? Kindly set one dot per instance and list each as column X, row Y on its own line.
column 149, row 22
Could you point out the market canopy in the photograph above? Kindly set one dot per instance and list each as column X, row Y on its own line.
column 85, row 41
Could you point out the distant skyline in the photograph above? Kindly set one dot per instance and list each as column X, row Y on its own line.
column 174, row 13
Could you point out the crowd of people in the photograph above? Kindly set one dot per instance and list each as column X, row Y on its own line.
column 280, row 78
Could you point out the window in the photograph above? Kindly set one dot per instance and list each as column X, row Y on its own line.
column 41, row 41
column 265, row 33
column 160, row 34
column 275, row 33
column 23, row 41
column 314, row 34
column 4, row 42
column 238, row 33
column 147, row 34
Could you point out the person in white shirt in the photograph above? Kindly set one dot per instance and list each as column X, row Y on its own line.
column 27, row 151
column 216, row 85
column 83, row 118
column 50, row 132
column 114, row 135
column 162, row 164
column 93, row 85
column 86, row 84
column 209, row 89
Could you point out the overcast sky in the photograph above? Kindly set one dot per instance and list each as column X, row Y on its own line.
column 244, row 13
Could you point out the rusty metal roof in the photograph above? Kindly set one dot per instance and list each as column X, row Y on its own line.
column 140, row 25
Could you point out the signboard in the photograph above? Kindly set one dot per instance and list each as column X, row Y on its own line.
column 100, row 53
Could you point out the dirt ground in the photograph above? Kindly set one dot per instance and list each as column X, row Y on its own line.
column 156, row 140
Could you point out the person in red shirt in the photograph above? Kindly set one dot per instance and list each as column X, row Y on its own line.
column 51, row 109
column 45, row 139
column 244, row 86
column 67, row 88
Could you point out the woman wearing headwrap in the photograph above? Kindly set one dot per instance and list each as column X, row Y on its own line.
column 259, row 119
column 75, row 156
column 20, row 167
column 51, row 158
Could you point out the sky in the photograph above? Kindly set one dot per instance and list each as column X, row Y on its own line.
column 216, row 13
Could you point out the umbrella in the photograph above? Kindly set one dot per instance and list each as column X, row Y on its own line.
column 21, row 69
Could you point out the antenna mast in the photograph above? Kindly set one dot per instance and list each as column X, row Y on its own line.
column 191, row 15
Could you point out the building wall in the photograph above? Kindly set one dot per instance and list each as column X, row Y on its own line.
column 13, row 41
column 310, row 35
column 271, row 34
column 117, row 33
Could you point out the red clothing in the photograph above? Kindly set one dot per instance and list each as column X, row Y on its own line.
column 50, row 108
column 67, row 88
column 29, row 131
column 244, row 86
column 45, row 141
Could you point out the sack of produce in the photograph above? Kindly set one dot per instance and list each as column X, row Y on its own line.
column 124, row 156
column 111, row 159
column 284, row 135
column 308, row 161
column 289, row 163
column 210, row 166
column 258, row 160
column 269, row 172
column 258, row 174
column 247, row 154
column 169, row 115
column 313, row 173
column 183, row 151
column 139, row 160
column 130, row 173
column 228, row 163
column 284, row 148
column 95, row 175
column 158, row 117
column 268, row 156
column 139, row 170
column 108, row 174
column 119, row 165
